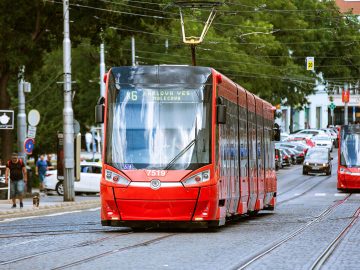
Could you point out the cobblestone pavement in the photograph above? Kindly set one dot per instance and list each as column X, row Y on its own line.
column 76, row 240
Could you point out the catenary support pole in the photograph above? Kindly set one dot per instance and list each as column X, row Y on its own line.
column 68, row 115
column 21, row 116
column 133, row 51
column 102, row 87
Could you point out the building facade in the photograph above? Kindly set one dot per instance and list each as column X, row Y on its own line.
column 346, row 5
column 318, row 113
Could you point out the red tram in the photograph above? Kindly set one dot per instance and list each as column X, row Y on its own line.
column 183, row 146
column 349, row 158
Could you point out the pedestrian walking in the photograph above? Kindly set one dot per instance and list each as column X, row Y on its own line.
column 88, row 141
column 48, row 162
column 40, row 170
column 16, row 171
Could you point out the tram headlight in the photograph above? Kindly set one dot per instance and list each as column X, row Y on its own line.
column 116, row 178
column 197, row 178
column 344, row 171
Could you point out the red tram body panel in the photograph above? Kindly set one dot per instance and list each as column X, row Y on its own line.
column 169, row 160
column 349, row 158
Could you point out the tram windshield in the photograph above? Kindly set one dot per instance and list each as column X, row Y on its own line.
column 158, row 126
column 350, row 146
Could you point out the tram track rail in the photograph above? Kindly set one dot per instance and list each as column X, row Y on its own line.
column 51, row 233
column 52, row 225
column 309, row 178
column 114, row 251
column 292, row 235
column 304, row 192
column 324, row 256
column 78, row 245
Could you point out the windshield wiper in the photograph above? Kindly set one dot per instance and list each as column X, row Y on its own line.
column 182, row 152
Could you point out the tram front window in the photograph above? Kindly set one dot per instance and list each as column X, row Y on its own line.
column 163, row 127
column 350, row 150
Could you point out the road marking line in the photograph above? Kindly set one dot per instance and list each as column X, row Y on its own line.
column 21, row 243
column 320, row 194
column 50, row 215
column 296, row 194
column 340, row 194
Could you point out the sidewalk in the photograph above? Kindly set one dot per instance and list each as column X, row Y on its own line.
column 48, row 204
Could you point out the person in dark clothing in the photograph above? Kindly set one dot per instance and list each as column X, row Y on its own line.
column 48, row 162
column 16, row 171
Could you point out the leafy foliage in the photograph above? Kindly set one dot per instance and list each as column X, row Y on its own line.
column 262, row 45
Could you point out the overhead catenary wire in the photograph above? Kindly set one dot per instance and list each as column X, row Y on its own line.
column 345, row 57
column 168, row 18
column 210, row 41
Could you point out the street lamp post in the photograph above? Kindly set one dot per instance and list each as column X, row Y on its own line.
column 21, row 117
column 68, row 114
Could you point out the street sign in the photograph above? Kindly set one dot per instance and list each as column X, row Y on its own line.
column 310, row 63
column 332, row 106
column 31, row 132
column 29, row 146
column 34, row 118
column 6, row 119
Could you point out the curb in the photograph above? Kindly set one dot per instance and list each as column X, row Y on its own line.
column 49, row 209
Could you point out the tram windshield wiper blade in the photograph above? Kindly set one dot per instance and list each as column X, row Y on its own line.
column 181, row 153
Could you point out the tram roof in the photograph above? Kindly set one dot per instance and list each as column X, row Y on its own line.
column 162, row 74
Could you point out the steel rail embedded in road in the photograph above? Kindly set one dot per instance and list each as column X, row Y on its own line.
column 81, row 244
column 296, row 185
column 52, row 225
column 303, row 193
column 100, row 255
column 333, row 245
column 43, row 233
column 323, row 214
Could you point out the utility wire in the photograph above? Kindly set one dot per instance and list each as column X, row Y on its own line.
column 45, row 88
column 168, row 18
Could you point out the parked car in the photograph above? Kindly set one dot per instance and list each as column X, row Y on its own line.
column 292, row 153
column 334, row 136
column 302, row 139
column 278, row 160
column 90, row 175
column 299, row 150
column 312, row 132
column 286, row 158
column 323, row 141
column 284, row 136
column 317, row 160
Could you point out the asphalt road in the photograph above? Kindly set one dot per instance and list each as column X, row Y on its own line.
column 309, row 217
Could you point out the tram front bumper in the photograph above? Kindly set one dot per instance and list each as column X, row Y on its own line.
column 348, row 181
column 175, row 204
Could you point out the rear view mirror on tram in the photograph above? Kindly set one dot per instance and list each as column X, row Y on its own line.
column 221, row 114
column 99, row 111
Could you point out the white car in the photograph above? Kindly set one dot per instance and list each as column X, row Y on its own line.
column 89, row 179
column 311, row 132
column 283, row 136
column 323, row 141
